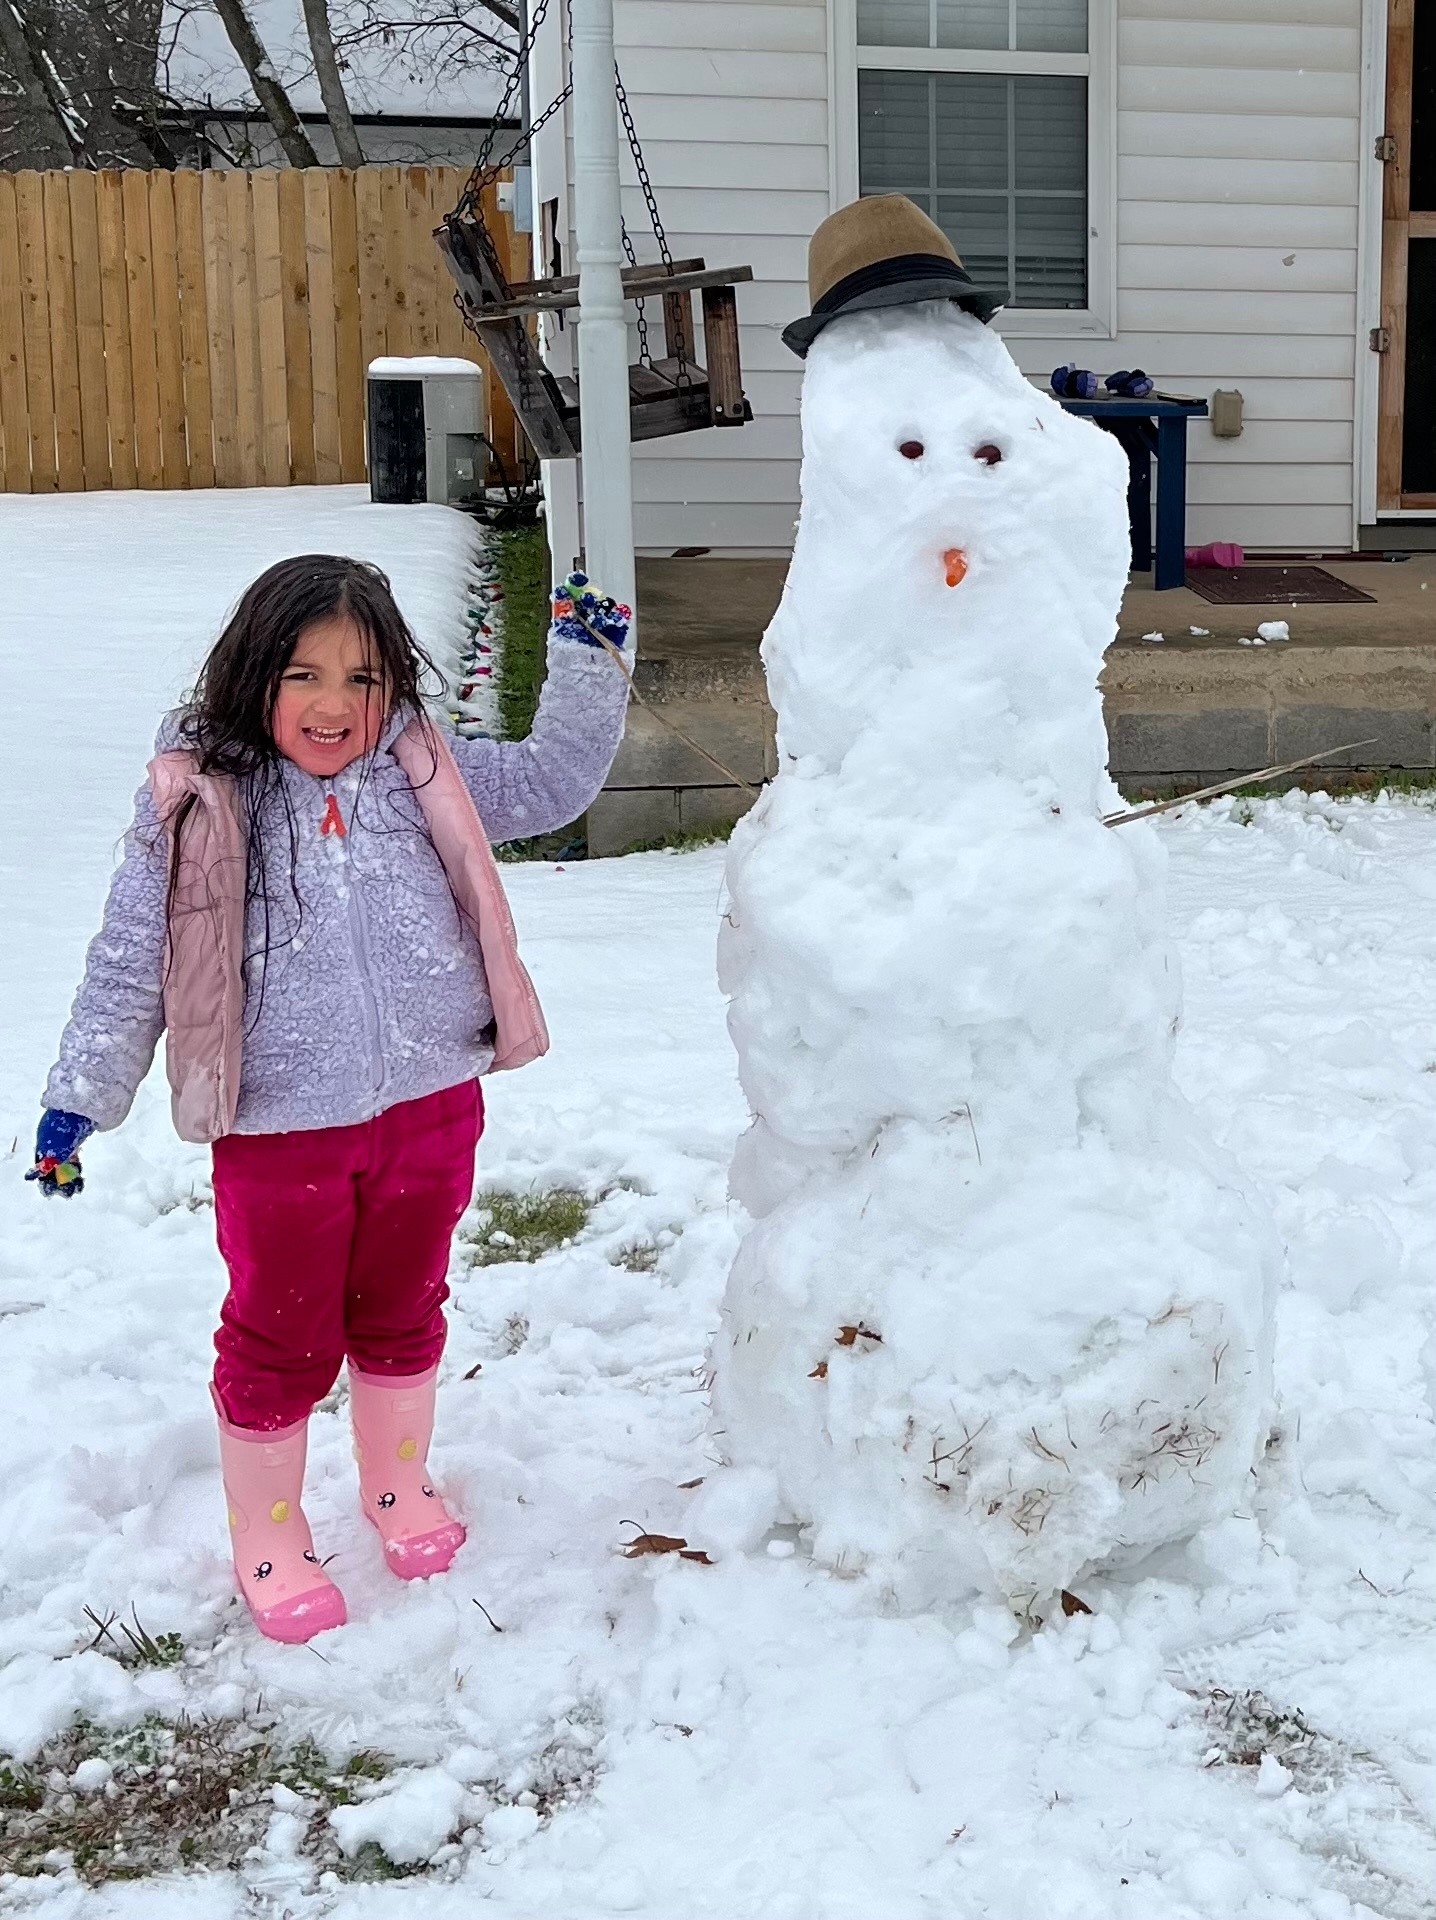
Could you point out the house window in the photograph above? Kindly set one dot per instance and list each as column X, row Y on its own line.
column 978, row 111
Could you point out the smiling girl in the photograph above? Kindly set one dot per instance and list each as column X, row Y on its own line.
column 308, row 907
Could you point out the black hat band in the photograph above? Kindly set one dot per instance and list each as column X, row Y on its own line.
column 886, row 273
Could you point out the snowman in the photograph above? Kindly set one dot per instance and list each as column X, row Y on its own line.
column 1002, row 1316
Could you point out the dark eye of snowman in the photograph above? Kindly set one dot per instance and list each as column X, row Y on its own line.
column 989, row 455
column 912, row 449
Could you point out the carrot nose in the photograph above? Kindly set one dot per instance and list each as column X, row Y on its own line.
column 955, row 561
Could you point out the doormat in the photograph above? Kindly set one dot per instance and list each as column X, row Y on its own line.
column 1272, row 587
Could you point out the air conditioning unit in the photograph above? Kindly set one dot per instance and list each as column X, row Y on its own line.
column 426, row 426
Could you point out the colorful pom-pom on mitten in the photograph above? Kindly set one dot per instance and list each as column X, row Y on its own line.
column 57, row 1152
column 582, row 613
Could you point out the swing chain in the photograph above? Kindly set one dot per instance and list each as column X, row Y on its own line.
column 486, row 168
column 651, row 200
column 641, row 166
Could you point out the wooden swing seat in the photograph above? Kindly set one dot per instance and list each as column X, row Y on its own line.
column 671, row 395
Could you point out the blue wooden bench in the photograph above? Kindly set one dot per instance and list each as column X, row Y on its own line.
column 1154, row 427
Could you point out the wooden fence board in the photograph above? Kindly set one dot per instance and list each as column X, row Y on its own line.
column 139, row 275
column 298, row 363
column 64, row 356
column 115, row 307
column 269, row 293
column 503, row 422
column 201, row 329
column 323, row 336
column 35, row 320
column 393, row 201
column 169, row 329
column 219, row 303
column 418, row 269
column 373, row 266
column 194, row 329
column 89, row 330
column 246, row 328
column 348, row 307
column 14, row 403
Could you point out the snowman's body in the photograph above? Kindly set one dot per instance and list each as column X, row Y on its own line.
column 1002, row 1312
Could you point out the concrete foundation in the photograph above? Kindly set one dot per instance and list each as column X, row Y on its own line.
column 1185, row 707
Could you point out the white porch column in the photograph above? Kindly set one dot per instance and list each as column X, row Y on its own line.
column 602, row 330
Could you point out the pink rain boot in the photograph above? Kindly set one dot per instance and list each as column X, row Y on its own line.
column 393, row 1419
column 287, row 1591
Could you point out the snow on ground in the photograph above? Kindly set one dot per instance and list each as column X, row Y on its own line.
column 744, row 1739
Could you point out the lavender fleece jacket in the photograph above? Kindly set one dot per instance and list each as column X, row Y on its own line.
column 374, row 989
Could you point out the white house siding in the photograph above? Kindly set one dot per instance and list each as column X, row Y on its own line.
column 730, row 98
column 1238, row 140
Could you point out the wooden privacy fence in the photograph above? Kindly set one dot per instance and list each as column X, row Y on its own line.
column 212, row 329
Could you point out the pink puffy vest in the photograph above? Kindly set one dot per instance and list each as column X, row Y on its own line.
column 204, row 985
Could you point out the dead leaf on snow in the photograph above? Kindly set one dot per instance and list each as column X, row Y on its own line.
column 849, row 1336
column 1071, row 1604
column 644, row 1544
column 820, row 1372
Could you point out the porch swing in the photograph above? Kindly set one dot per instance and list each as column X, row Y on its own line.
column 669, row 394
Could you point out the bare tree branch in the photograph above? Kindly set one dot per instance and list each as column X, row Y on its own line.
column 331, row 86
column 268, row 88
column 59, row 129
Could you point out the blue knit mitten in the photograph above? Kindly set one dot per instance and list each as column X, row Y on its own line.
column 604, row 616
column 57, row 1152
column 1073, row 382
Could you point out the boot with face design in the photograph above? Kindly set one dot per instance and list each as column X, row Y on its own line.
column 393, row 1419
column 287, row 1591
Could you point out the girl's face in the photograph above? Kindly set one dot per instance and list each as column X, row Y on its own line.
column 331, row 706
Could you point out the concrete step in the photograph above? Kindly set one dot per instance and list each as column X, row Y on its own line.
column 1190, row 707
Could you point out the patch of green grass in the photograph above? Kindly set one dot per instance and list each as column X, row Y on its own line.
column 20, row 1791
column 524, row 1226
column 523, row 560
column 176, row 1794
column 640, row 1257
column 524, row 575
column 136, row 1646
column 1341, row 783
column 569, row 843
column 686, row 841
column 372, row 1863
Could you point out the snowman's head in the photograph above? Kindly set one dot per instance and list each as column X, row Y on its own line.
column 964, row 531
column 918, row 423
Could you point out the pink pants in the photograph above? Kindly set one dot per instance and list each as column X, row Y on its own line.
column 337, row 1242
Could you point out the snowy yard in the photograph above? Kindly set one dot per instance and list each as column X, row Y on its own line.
column 653, row 1737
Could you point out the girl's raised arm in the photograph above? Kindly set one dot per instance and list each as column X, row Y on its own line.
column 533, row 786
column 117, row 1017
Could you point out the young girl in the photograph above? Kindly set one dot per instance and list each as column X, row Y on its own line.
column 308, row 904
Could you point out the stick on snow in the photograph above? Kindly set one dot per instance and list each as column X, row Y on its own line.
column 1230, row 786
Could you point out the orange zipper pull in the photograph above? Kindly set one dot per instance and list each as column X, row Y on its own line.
column 333, row 821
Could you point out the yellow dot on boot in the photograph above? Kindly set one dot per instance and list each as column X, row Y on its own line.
column 407, row 1449
column 233, row 1517
column 279, row 1512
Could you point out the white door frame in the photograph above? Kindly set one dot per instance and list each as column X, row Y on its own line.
column 1372, row 124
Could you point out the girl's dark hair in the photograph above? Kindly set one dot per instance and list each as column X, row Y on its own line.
column 228, row 721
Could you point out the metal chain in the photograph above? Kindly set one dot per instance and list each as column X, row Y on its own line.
column 486, row 168
column 641, row 165
column 645, row 351
column 665, row 252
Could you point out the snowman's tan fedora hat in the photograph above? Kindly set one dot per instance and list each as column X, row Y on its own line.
column 881, row 252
